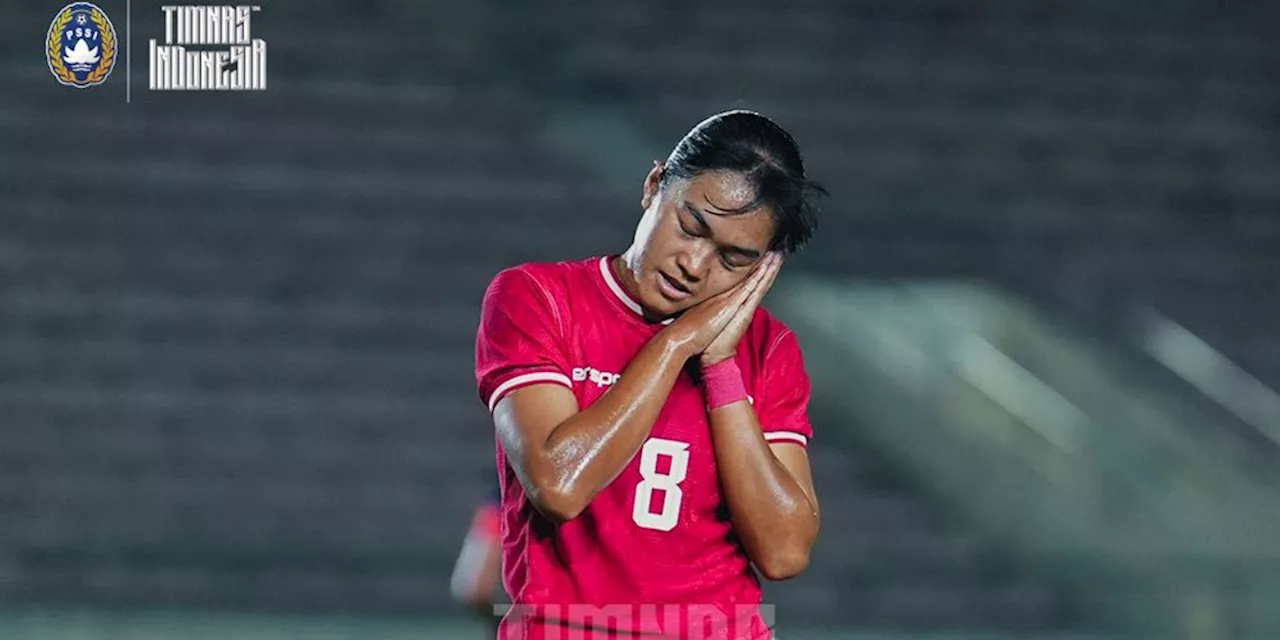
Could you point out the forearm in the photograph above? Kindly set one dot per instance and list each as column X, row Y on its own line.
column 773, row 517
column 589, row 449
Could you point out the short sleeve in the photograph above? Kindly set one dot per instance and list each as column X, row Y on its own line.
column 519, row 341
column 782, row 405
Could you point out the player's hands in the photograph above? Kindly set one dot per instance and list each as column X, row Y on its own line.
column 698, row 328
column 726, row 344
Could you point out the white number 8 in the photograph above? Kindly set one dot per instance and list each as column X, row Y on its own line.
column 669, row 483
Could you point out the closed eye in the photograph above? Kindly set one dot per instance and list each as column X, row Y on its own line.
column 735, row 260
column 732, row 257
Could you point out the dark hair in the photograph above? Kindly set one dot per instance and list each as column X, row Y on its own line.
column 762, row 151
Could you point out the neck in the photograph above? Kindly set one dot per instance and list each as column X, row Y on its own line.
column 621, row 267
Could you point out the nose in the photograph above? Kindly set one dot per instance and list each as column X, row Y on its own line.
column 694, row 263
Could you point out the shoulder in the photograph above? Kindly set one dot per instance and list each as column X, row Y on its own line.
column 771, row 348
column 769, row 335
column 536, row 291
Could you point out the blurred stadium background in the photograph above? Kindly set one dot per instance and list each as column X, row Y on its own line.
column 237, row 329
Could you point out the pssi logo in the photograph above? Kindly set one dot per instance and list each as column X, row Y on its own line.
column 81, row 46
column 595, row 376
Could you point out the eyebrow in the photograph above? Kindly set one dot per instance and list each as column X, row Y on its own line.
column 701, row 219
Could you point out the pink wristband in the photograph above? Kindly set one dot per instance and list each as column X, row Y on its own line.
column 723, row 381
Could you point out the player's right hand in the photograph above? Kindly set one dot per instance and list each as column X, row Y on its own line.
column 725, row 345
column 698, row 327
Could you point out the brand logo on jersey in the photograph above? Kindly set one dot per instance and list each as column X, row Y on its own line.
column 595, row 376
column 81, row 46
column 238, row 64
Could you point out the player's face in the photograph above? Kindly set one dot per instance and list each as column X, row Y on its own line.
column 687, row 249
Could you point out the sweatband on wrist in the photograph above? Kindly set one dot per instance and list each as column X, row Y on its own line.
column 723, row 383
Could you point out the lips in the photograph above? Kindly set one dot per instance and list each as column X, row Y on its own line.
column 672, row 288
column 676, row 283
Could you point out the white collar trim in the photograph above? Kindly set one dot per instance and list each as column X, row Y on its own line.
column 616, row 287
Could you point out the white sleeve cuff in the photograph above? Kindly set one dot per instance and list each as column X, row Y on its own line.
column 525, row 380
column 786, row 436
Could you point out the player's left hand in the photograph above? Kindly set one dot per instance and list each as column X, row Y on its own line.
column 726, row 344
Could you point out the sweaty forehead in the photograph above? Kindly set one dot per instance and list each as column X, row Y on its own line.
column 720, row 190
column 723, row 192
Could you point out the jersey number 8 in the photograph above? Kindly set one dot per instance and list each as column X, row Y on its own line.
column 668, row 483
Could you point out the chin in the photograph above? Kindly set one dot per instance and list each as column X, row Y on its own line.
column 669, row 309
column 658, row 304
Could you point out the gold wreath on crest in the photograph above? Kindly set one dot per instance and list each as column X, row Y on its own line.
column 55, row 47
column 108, row 48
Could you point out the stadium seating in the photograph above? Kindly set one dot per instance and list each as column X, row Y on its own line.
column 237, row 364
column 1085, row 153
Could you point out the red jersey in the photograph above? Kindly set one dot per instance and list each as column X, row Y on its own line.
column 659, row 534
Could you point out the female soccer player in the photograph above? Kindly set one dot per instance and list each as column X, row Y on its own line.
column 651, row 418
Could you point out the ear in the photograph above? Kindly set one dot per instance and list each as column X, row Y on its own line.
column 651, row 182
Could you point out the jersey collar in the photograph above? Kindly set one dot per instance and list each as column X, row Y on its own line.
column 615, row 287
